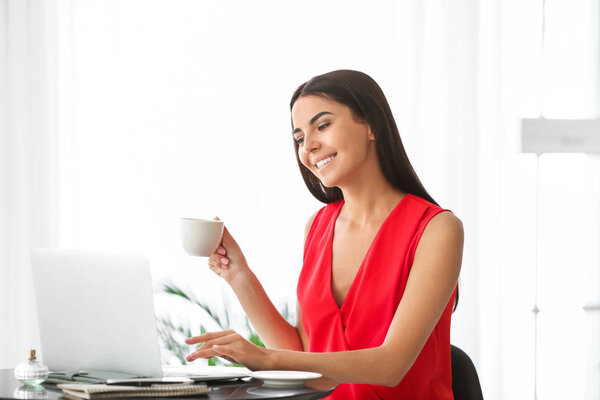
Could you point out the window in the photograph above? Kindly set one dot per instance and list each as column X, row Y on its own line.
column 564, row 319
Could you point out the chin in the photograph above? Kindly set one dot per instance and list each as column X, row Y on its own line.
column 329, row 180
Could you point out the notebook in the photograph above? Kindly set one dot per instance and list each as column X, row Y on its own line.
column 96, row 313
column 80, row 391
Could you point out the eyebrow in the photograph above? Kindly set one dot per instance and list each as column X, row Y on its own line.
column 313, row 119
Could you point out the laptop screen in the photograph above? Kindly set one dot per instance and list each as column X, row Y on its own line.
column 95, row 311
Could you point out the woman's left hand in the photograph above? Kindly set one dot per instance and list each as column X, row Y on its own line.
column 232, row 347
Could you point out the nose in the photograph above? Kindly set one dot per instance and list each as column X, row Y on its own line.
column 311, row 143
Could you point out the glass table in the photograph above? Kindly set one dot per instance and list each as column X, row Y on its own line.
column 247, row 388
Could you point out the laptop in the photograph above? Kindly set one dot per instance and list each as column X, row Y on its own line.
column 96, row 312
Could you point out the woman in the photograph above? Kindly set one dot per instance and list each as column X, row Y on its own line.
column 381, row 259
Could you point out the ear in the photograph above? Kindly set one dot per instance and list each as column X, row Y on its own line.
column 371, row 134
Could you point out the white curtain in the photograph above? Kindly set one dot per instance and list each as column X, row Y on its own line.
column 28, row 164
column 180, row 108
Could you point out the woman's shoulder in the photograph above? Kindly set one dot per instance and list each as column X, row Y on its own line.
column 437, row 218
column 444, row 223
column 437, row 222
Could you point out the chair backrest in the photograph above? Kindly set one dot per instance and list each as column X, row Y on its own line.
column 465, row 382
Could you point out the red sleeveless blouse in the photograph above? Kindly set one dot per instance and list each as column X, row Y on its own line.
column 365, row 316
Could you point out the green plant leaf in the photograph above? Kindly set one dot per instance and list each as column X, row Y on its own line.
column 256, row 340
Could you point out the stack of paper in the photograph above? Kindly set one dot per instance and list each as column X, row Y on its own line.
column 78, row 391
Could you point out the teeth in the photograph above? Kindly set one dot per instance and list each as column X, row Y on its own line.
column 325, row 161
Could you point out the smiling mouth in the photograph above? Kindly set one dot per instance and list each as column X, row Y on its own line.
column 325, row 161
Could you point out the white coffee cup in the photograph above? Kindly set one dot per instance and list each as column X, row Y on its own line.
column 201, row 237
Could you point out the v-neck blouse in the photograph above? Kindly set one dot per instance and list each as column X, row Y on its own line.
column 368, row 309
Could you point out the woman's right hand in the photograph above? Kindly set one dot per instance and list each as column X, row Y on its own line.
column 228, row 261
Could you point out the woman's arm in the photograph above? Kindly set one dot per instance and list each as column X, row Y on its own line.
column 430, row 285
column 273, row 329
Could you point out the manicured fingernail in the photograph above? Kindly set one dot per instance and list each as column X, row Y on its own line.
column 221, row 251
column 224, row 261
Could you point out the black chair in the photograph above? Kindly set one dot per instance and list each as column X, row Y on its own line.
column 465, row 382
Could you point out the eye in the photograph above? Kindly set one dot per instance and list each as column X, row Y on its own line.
column 299, row 140
column 324, row 126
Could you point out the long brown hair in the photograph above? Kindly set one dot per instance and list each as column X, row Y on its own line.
column 366, row 100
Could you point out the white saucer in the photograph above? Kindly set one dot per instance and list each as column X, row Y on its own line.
column 284, row 379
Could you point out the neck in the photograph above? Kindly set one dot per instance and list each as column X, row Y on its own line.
column 369, row 198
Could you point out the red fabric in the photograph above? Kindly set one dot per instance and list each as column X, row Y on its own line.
column 365, row 316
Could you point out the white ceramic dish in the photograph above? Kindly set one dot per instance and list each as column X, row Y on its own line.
column 284, row 379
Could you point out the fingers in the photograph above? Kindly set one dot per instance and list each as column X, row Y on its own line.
column 217, row 260
column 206, row 353
column 218, row 271
column 226, row 239
column 214, row 344
column 218, row 341
column 221, row 251
column 226, row 351
column 207, row 336
column 210, row 353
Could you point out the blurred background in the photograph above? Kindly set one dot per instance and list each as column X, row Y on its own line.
column 119, row 117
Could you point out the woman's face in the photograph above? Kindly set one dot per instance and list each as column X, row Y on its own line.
column 332, row 143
